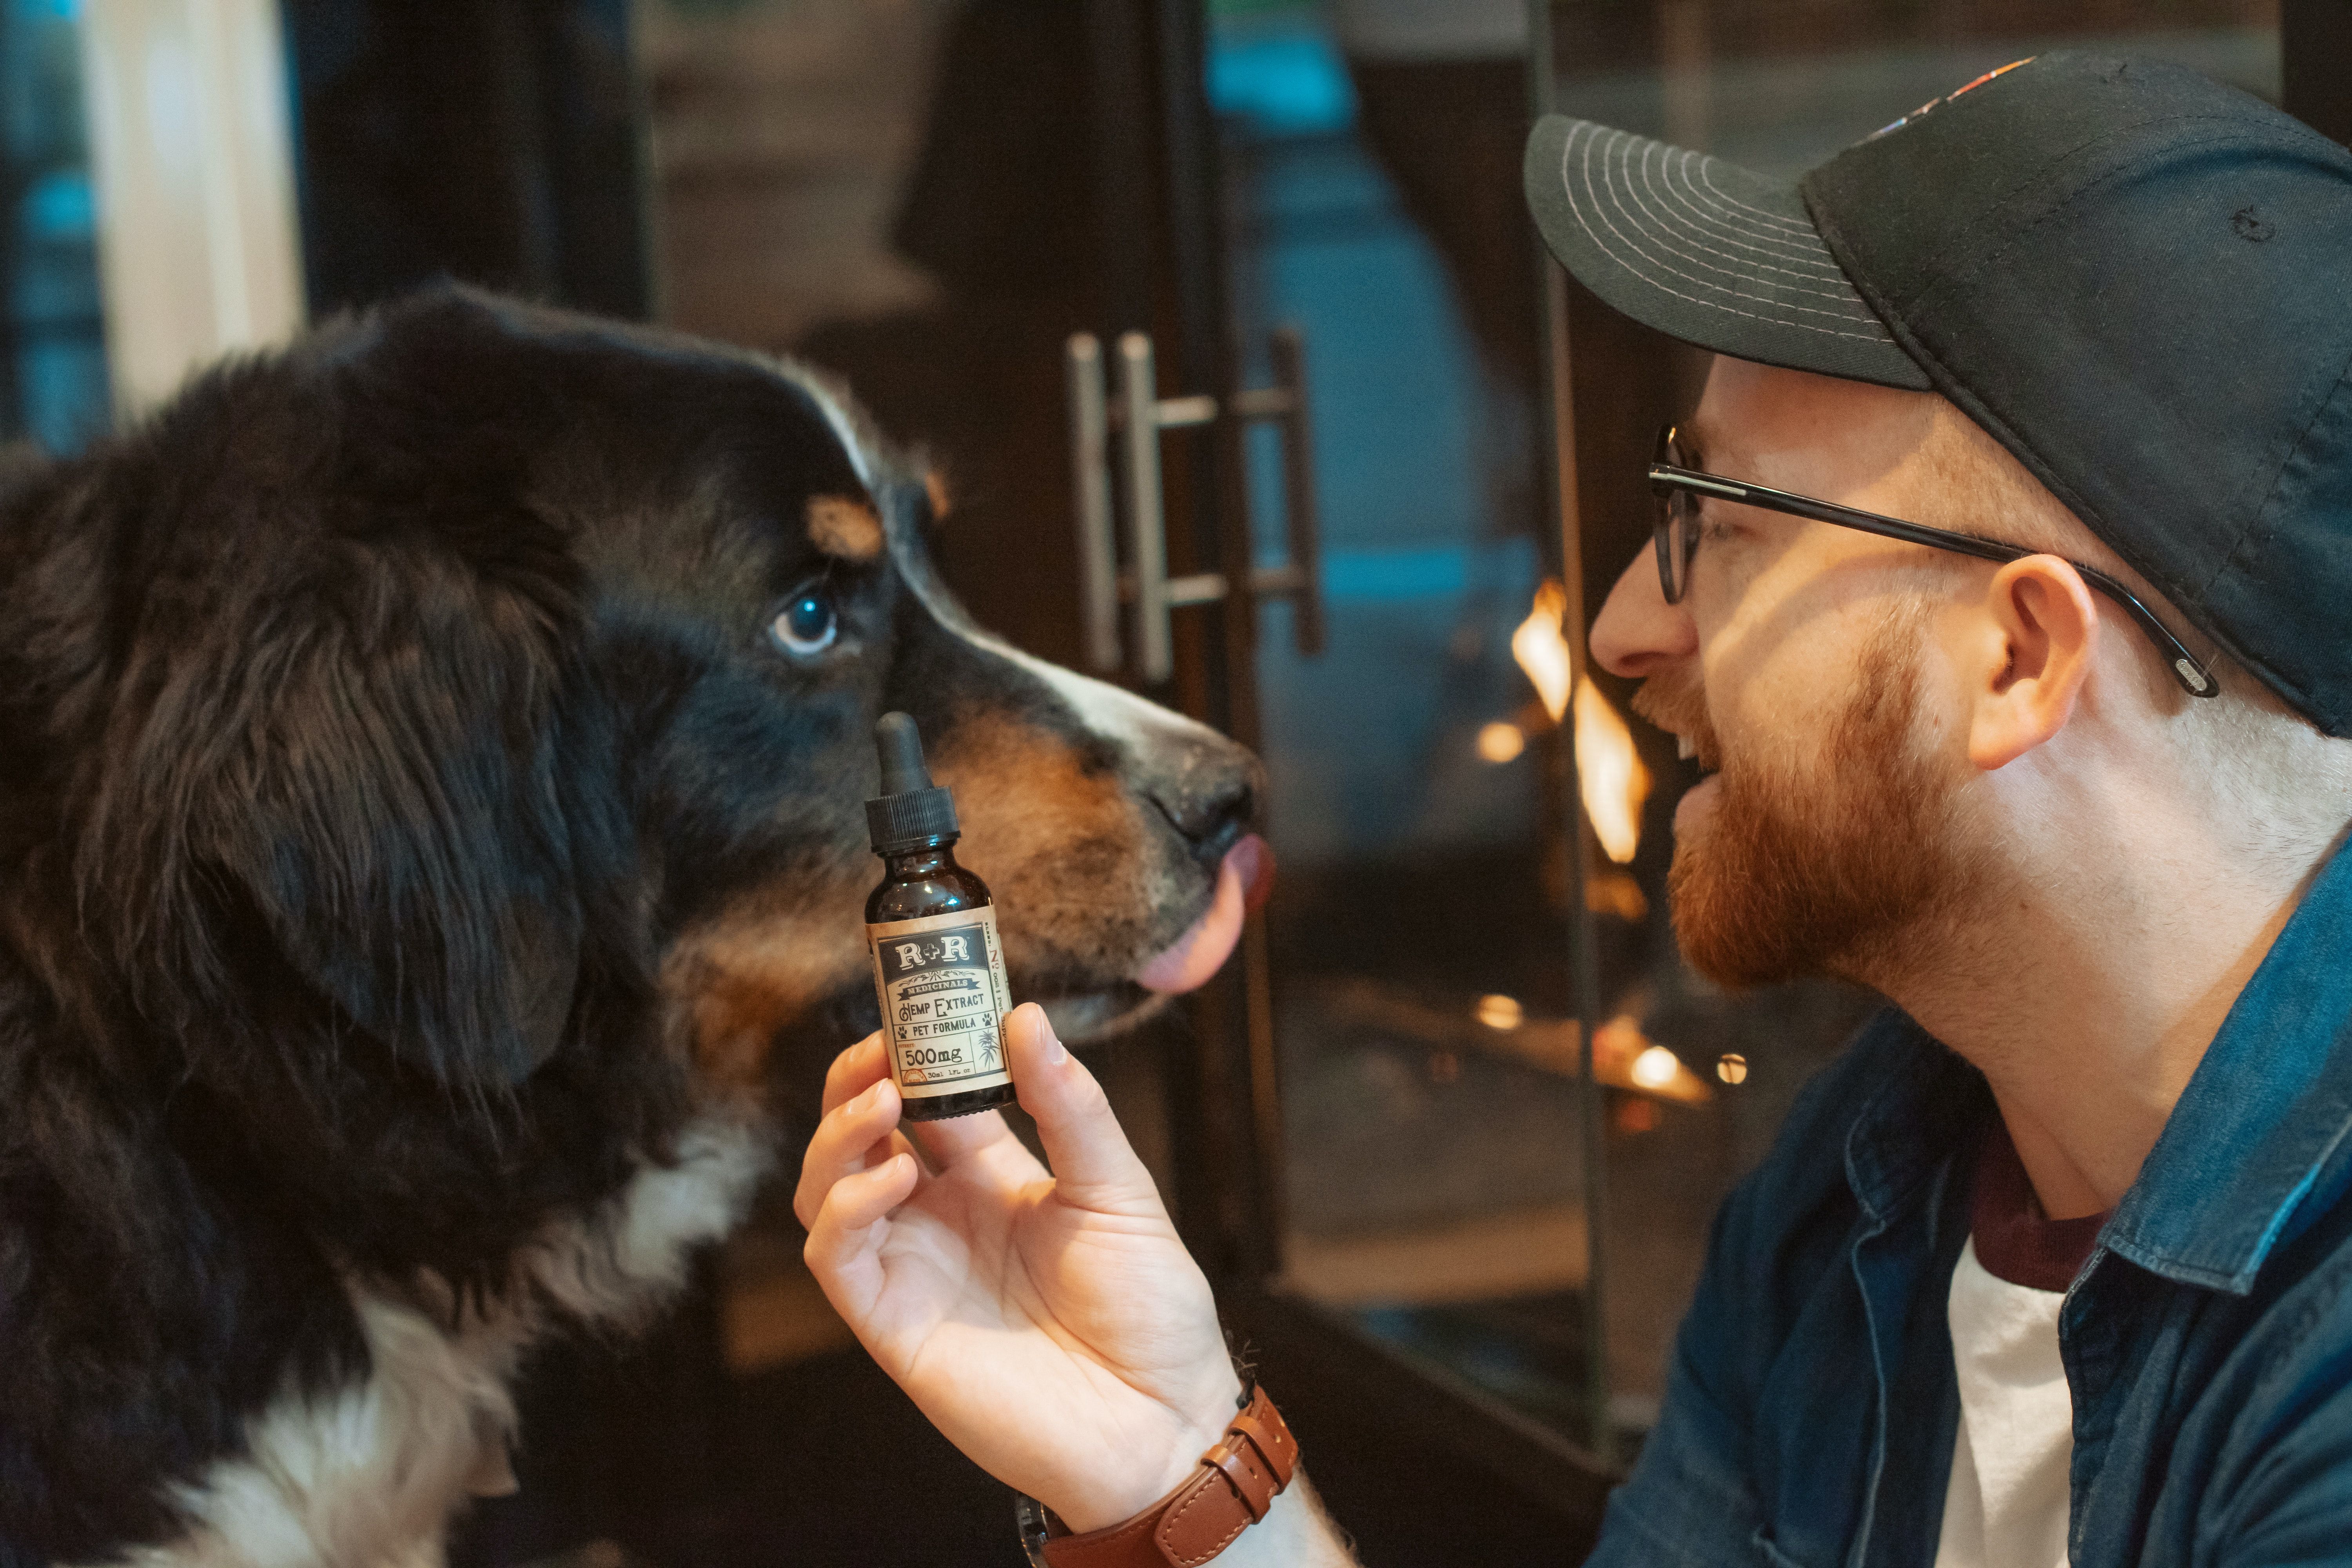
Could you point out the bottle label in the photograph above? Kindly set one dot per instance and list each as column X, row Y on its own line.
column 942, row 983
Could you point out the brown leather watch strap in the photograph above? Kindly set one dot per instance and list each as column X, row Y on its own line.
column 1238, row 1481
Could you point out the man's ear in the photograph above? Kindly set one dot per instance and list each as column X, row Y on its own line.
column 397, row 807
column 2034, row 654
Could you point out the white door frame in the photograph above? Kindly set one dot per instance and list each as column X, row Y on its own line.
column 192, row 159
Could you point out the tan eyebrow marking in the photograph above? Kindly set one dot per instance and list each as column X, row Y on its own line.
column 935, row 488
column 844, row 528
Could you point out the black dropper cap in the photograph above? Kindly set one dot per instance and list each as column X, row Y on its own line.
column 911, row 810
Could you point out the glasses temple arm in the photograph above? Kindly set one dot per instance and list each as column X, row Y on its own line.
column 2187, row 668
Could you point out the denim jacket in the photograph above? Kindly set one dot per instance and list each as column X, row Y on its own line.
column 1812, row 1405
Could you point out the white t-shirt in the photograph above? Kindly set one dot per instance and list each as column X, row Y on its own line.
column 2006, row 1505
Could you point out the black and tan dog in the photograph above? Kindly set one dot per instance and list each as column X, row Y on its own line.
column 431, row 762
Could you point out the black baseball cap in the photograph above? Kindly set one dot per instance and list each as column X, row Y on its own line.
column 2136, row 280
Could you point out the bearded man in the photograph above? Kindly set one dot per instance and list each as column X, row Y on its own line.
column 2000, row 584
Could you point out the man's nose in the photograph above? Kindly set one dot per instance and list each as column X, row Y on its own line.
column 1637, row 630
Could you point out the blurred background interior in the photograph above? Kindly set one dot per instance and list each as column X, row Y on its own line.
column 1225, row 325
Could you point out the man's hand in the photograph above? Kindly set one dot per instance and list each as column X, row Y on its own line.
column 1050, row 1324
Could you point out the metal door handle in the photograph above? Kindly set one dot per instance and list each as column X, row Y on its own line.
column 1147, row 518
column 1090, row 484
column 1141, row 414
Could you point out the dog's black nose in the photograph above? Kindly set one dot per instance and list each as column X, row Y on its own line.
column 1212, row 802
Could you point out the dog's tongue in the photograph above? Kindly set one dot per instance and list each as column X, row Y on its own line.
column 1243, row 882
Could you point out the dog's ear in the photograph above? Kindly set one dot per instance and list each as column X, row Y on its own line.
column 383, row 764
column 406, row 834
column 344, row 697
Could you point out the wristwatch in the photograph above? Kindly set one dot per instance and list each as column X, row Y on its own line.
column 1236, row 1481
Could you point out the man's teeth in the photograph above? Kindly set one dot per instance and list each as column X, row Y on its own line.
column 1686, row 748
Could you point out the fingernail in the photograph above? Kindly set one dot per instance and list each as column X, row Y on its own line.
column 1055, row 1052
column 872, row 1096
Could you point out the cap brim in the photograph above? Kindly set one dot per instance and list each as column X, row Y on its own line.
column 1704, row 251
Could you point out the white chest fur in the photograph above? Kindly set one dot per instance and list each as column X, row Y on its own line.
column 366, row 1477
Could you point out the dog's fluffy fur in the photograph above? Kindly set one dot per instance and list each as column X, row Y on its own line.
column 415, row 845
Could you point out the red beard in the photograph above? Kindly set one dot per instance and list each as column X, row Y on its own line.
column 1834, row 860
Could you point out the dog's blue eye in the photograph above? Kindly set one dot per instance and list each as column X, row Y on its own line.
column 808, row 625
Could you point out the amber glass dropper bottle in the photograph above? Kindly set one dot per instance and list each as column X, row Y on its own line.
column 930, row 925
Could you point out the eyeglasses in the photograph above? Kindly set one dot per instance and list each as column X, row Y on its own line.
column 1678, row 486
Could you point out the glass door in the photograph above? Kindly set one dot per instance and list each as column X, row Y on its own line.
column 1434, row 1116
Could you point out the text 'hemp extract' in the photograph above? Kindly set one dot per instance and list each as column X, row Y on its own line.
column 938, row 969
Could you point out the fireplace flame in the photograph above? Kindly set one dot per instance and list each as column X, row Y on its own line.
column 1541, row 647
column 1608, row 770
column 1616, row 784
